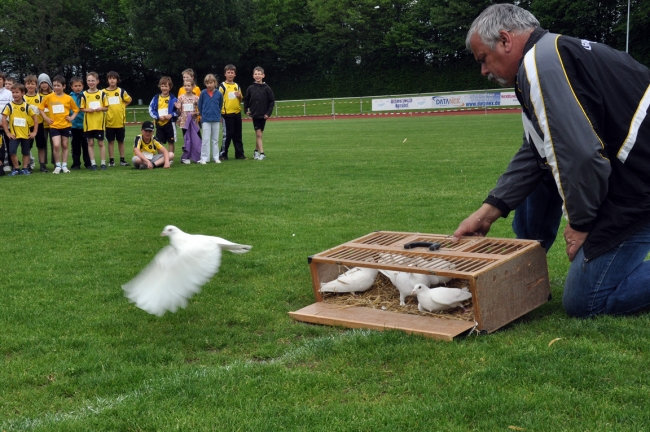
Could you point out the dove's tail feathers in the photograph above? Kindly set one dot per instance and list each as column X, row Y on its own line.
column 233, row 247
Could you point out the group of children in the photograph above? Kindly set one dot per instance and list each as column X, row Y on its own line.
column 40, row 108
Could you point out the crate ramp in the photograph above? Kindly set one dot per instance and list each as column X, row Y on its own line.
column 507, row 278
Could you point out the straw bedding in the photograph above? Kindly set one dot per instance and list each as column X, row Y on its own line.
column 383, row 295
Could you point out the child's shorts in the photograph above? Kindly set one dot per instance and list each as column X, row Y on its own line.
column 166, row 134
column 41, row 139
column 94, row 134
column 115, row 133
column 258, row 124
column 65, row 132
column 23, row 143
column 153, row 160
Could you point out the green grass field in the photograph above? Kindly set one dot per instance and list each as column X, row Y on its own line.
column 75, row 355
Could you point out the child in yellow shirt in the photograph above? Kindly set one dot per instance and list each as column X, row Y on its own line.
column 20, row 124
column 118, row 100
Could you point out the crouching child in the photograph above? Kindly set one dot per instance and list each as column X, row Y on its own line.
column 149, row 152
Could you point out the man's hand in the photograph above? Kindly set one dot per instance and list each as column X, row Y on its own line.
column 574, row 241
column 478, row 223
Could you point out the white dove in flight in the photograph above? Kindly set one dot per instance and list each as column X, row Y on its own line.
column 178, row 271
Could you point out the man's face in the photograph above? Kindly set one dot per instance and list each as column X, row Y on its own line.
column 499, row 65
column 77, row 86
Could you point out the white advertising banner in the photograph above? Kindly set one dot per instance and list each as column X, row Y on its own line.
column 473, row 100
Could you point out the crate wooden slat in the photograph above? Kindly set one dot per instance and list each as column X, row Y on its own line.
column 507, row 278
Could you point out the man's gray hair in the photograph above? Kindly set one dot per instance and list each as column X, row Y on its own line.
column 498, row 17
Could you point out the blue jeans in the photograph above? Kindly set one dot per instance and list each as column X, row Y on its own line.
column 539, row 216
column 614, row 283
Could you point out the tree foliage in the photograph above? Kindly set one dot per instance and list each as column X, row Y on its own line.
column 309, row 48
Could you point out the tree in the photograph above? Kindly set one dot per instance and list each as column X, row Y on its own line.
column 37, row 37
column 203, row 34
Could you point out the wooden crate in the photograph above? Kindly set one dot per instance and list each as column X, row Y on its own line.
column 507, row 278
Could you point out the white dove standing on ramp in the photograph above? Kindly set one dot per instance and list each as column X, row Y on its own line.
column 439, row 299
column 354, row 280
column 178, row 271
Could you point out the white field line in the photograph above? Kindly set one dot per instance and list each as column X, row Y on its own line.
column 98, row 405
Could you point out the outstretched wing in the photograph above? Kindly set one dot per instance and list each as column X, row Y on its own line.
column 175, row 275
column 232, row 247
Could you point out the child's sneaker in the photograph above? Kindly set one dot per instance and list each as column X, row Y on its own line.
column 25, row 171
column 112, row 163
column 65, row 170
column 7, row 168
column 261, row 156
column 124, row 163
column 44, row 169
column 14, row 172
column 185, row 161
column 104, row 167
column 202, row 162
column 256, row 155
column 57, row 170
column 216, row 160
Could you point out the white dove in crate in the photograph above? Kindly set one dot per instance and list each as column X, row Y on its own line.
column 178, row 271
column 355, row 279
column 441, row 298
column 405, row 282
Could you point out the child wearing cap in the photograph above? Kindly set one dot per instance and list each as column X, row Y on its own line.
column 149, row 152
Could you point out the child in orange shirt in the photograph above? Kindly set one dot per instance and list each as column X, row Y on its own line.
column 62, row 109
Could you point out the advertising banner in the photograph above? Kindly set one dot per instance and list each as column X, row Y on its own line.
column 449, row 101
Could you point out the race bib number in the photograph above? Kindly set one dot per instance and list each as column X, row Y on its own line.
column 94, row 105
column 162, row 112
column 57, row 109
column 21, row 122
column 231, row 95
column 114, row 100
column 188, row 107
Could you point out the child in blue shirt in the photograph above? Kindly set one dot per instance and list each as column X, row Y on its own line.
column 79, row 143
column 210, row 103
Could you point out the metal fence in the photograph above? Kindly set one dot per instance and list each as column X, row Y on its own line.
column 335, row 106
